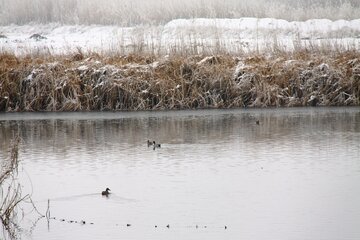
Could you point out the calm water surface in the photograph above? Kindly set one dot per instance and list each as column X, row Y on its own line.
column 294, row 176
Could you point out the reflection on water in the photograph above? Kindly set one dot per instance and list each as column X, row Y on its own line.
column 296, row 175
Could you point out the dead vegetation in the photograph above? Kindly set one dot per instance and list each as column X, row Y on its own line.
column 13, row 201
column 10, row 194
column 87, row 82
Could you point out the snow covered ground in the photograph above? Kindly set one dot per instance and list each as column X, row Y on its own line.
column 244, row 34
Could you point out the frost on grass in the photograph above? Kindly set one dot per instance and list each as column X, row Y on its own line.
column 138, row 12
column 138, row 82
column 189, row 36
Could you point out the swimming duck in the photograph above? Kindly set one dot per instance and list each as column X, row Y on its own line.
column 156, row 145
column 257, row 122
column 106, row 192
column 150, row 143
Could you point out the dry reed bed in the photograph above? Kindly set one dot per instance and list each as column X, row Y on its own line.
column 146, row 82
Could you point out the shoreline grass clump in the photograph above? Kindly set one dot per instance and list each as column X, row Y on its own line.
column 94, row 82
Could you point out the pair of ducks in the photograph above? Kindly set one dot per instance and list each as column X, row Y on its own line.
column 154, row 144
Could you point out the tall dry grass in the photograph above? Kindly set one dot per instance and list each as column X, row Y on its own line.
column 12, row 199
column 88, row 82
column 153, row 12
column 10, row 193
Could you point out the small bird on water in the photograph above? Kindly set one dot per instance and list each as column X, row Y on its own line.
column 150, row 143
column 106, row 192
column 156, row 145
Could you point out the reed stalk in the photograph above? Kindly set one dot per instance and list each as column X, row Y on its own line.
column 11, row 195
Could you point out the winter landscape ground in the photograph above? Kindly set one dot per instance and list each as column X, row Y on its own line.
column 277, row 173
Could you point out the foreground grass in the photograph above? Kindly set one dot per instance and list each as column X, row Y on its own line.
column 10, row 194
column 12, row 199
column 87, row 82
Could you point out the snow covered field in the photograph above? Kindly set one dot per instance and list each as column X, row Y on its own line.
column 185, row 35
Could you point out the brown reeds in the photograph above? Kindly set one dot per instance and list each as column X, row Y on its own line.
column 87, row 82
column 12, row 199
column 10, row 195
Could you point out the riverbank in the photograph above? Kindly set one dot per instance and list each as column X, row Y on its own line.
column 94, row 82
column 190, row 36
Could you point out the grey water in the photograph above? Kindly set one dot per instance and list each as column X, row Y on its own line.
column 295, row 175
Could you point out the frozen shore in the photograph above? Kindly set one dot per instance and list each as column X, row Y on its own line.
column 194, row 35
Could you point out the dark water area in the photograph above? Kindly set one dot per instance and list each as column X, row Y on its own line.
column 295, row 175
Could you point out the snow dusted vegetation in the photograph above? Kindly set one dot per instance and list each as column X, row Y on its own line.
column 124, row 26
column 140, row 55
column 197, row 35
column 76, row 55
column 128, row 13
column 138, row 82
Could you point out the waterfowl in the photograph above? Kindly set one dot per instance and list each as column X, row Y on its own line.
column 156, row 145
column 150, row 143
column 106, row 192
column 257, row 122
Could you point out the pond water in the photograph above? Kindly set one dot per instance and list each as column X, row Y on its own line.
column 295, row 175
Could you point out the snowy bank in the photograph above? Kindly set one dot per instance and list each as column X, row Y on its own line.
column 233, row 35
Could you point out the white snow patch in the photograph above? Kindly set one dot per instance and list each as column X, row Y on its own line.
column 199, row 33
column 83, row 68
